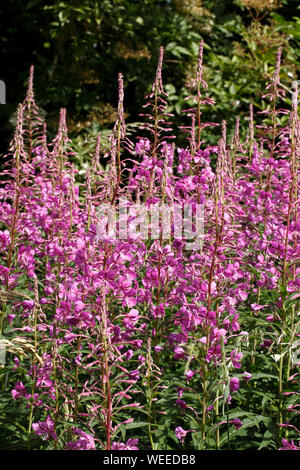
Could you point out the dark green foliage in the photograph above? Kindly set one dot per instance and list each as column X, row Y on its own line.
column 79, row 47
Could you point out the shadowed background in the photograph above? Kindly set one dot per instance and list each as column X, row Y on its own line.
column 79, row 47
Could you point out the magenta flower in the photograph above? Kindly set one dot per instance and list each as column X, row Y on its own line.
column 143, row 145
column 134, row 374
column 131, row 444
column 189, row 374
column 180, row 433
column 179, row 352
column 247, row 375
column 256, row 307
column 236, row 357
column 181, row 403
column 45, row 428
column 85, row 441
column 118, row 446
column 234, row 384
column 131, row 318
column 286, row 445
column 20, row 391
column 4, row 239
column 237, row 423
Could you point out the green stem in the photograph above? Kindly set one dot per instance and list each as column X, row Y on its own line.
column 33, row 378
column 217, row 416
column 204, row 404
column 280, row 389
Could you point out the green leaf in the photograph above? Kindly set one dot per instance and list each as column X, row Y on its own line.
column 135, row 425
column 232, row 89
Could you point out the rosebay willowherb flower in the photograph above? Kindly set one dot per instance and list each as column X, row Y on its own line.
column 115, row 340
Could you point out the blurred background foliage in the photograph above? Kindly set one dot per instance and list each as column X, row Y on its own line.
column 79, row 46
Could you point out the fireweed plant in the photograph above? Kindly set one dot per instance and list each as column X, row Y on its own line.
column 142, row 342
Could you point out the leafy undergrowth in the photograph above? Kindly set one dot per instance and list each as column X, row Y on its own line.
column 155, row 339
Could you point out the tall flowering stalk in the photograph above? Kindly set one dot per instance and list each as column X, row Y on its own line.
column 197, row 85
column 157, row 124
column 288, row 272
column 17, row 179
column 18, row 149
column 33, row 123
column 118, row 135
